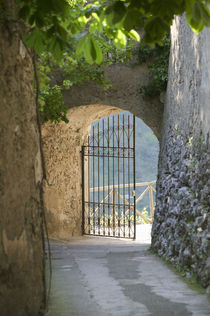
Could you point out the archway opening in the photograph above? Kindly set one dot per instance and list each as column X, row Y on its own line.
column 119, row 178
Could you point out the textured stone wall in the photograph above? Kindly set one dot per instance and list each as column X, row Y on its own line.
column 21, row 245
column 125, row 94
column 180, row 231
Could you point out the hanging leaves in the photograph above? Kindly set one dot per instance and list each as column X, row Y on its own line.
column 36, row 39
column 89, row 47
column 120, row 39
column 134, row 35
column 75, row 34
column 198, row 15
column 118, row 19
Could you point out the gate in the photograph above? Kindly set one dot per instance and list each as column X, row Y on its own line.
column 108, row 178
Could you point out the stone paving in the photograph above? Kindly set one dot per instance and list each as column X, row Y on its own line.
column 95, row 276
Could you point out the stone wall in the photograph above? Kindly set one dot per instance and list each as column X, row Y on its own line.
column 180, row 231
column 124, row 94
column 21, row 243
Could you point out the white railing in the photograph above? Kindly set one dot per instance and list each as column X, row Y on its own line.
column 113, row 193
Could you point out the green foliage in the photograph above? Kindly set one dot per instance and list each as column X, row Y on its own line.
column 51, row 21
column 53, row 25
column 72, row 70
column 145, row 213
column 198, row 15
column 52, row 106
column 157, row 59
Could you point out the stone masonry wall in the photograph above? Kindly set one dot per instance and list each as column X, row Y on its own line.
column 180, row 232
column 125, row 94
column 21, row 244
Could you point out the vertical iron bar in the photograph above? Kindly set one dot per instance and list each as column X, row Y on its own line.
column 124, row 173
column 113, row 200
column 98, row 183
column 83, row 191
column 103, row 183
column 134, row 174
column 129, row 189
column 108, row 181
column 94, row 180
column 89, row 205
column 118, row 172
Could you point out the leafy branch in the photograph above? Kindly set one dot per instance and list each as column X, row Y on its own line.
column 83, row 30
column 157, row 60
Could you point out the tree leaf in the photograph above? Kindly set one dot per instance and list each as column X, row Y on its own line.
column 74, row 28
column 24, row 12
column 155, row 28
column 194, row 17
column 56, row 47
column 62, row 31
column 80, row 47
column 82, row 20
column 88, row 51
column 36, row 40
column 133, row 19
column 120, row 39
column 134, row 35
column 205, row 13
column 119, row 12
column 115, row 13
column 98, row 51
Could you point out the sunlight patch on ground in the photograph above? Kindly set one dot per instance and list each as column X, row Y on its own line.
column 143, row 233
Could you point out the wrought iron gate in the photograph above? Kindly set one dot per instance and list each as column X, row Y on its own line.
column 108, row 161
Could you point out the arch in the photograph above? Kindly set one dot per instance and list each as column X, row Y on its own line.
column 124, row 94
column 62, row 145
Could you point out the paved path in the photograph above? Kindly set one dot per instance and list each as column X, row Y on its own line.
column 102, row 276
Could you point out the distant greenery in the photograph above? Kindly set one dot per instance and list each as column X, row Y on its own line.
column 51, row 105
column 145, row 213
column 147, row 149
column 157, row 59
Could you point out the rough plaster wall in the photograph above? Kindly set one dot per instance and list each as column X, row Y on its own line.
column 21, row 247
column 62, row 144
column 180, row 230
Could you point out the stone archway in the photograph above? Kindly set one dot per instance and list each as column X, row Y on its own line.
column 62, row 142
column 62, row 150
column 180, row 230
column 124, row 94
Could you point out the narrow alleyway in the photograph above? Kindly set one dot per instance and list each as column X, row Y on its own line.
column 102, row 276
